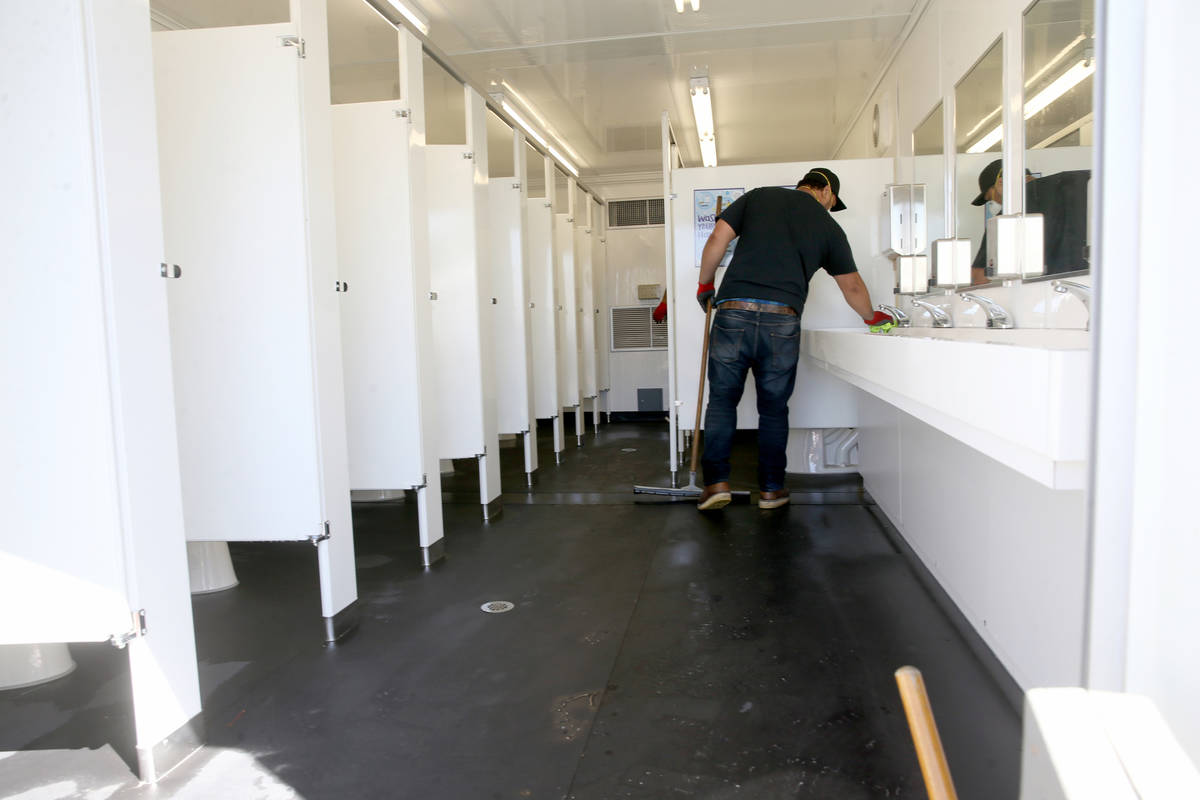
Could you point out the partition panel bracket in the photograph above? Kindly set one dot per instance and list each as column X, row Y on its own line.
column 317, row 538
column 119, row 640
column 424, row 484
column 296, row 42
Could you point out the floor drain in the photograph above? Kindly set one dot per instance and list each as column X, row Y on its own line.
column 497, row 606
column 628, row 449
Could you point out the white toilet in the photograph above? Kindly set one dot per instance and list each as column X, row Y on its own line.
column 23, row 665
column 210, row 568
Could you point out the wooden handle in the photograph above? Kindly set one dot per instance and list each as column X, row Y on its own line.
column 700, row 394
column 924, row 730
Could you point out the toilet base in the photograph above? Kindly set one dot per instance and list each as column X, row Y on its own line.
column 25, row 665
column 210, row 569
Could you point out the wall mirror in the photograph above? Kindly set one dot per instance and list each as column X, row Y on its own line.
column 929, row 168
column 1058, row 70
column 978, row 134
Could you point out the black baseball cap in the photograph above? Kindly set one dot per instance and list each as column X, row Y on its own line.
column 987, row 179
column 827, row 176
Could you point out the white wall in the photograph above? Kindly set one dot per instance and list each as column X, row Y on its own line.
column 634, row 256
column 1017, row 570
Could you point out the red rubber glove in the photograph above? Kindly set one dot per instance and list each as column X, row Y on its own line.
column 880, row 323
column 704, row 293
column 660, row 312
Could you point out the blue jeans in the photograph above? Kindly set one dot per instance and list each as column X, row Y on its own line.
column 769, row 345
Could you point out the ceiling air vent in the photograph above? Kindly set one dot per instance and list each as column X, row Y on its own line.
column 634, row 329
column 631, row 213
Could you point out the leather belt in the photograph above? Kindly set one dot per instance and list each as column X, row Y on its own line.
column 769, row 308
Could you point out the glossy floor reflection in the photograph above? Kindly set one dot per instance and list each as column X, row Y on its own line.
column 651, row 652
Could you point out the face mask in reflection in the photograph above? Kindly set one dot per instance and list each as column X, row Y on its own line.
column 991, row 209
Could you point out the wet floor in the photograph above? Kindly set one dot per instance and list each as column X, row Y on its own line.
column 650, row 652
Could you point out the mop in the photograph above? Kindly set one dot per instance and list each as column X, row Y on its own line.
column 692, row 490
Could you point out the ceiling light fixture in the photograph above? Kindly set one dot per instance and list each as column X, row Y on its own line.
column 1061, row 85
column 418, row 20
column 517, row 118
column 702, row 110
column 679, row 6
column 695, row 5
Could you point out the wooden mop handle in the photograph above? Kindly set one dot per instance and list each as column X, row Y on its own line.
column 700, row 394
column 928, row 744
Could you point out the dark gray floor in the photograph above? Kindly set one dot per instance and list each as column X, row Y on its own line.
column 652, row 652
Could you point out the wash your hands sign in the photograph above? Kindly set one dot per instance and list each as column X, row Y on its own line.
column 707, row 205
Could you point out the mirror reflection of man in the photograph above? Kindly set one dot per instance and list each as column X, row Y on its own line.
column 1060, row 198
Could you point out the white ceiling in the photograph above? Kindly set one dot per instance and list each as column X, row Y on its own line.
column 787, row 76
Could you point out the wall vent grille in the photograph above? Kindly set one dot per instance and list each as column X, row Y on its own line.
column 634, row 213
column 633, row 328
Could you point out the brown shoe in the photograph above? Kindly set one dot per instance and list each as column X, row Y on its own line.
column 775, row 499
column 714, row 496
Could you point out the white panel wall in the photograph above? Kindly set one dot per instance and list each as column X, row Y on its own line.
column 600, row 297
column 568, row 317
column 456, row 311
column 544, row 314
column 1015, row 568
column 508, row 332
column 820, row 400
column 585, row 288
column 241, row 327
column 379, row 326
column 633, row 256
column 90, row 481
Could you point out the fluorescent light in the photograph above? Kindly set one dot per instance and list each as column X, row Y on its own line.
column 679, row 6
column 702, row 110
column 559, row 156
column 989, row 139
column 517, row 118
column 1063, row 84
column 418, row 21
column 695, row 5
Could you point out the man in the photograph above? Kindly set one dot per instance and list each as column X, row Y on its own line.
column 784, row 237
column 1061, row 199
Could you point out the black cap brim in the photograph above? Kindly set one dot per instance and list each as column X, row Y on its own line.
column 838, row 206
column 980, row 200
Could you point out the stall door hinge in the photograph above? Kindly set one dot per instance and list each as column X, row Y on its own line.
column 296, row 42
column 424, row 482
column 468, row 156
column 516, row 185
column 404, row 113
column 317, row 538
column 169, row 270
column 119, row 640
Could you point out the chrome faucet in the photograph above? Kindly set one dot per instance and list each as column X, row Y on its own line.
column 997, row 317
column 1080, row 290
column 902, row 319
column 940, row 318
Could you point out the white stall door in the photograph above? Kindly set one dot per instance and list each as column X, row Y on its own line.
column 379, row 337
column 544, row 317
column 62, row 573
column 509, row 328
column 603, row 322
column 457, row 317
column 585, row 291
column 241, row 315
column 568, row 316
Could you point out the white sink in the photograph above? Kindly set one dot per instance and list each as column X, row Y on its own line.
column 1018, row 337
column 1020, row 396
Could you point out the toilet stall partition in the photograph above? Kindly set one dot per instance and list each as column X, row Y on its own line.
column 387, row 342
column 511, row 316
column 92, row 546
column 539, row 229
column 599, row 295
column 460, row 283
column 247, row 185
column 569, row 382
column 585, row 302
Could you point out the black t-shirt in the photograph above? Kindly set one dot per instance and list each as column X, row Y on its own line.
column 1061, row 199
column 784, row 237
